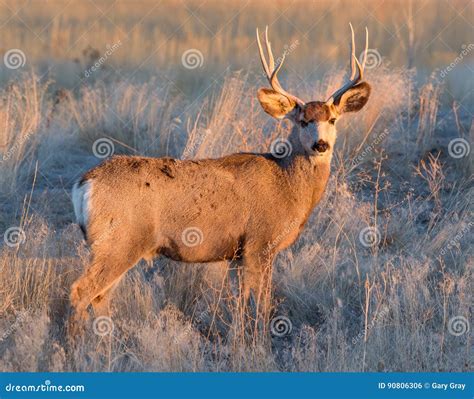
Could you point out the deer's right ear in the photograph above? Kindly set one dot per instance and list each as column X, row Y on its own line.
column 274, row 103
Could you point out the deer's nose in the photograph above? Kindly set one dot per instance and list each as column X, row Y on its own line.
column 320, row 146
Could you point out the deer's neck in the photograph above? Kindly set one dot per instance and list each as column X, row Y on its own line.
column 307, row 175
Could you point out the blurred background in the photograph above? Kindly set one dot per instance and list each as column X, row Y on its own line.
column 61, row 39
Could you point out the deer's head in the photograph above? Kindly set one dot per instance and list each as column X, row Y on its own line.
column 315, row 121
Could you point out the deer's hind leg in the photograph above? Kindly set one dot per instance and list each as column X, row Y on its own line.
column 101, row 303
column 96, row 285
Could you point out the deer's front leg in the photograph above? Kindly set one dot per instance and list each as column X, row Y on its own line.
column 257, row 283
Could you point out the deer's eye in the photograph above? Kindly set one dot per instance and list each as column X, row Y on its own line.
column 332, row 121
column 304, row 124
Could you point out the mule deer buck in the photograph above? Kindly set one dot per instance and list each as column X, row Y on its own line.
column 245, row 207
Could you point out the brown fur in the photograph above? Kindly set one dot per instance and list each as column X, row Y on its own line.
column 140, row 207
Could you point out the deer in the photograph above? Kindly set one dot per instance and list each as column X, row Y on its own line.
column 243, row 208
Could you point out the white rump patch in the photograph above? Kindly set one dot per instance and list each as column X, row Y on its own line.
column 80, row 200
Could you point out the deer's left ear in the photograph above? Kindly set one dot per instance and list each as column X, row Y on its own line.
column 354, row 99
column 274, row 103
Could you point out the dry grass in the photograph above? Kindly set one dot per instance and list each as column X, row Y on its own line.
column 385, row 307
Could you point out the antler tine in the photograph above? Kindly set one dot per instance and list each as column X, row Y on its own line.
column 262, row 56
column 271, row 60
column 270, row 70
column 274, row 79
column 357, row 70
column 365, row 51
column 352, row 56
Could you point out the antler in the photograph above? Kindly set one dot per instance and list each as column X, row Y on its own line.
column 357, row 70
column 271, row 71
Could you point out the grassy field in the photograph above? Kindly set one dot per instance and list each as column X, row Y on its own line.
column 380, row 279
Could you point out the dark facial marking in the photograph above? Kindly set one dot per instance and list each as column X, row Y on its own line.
column 320, row 146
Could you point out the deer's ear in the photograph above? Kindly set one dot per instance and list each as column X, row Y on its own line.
column 274, row 103
column 354, row 99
